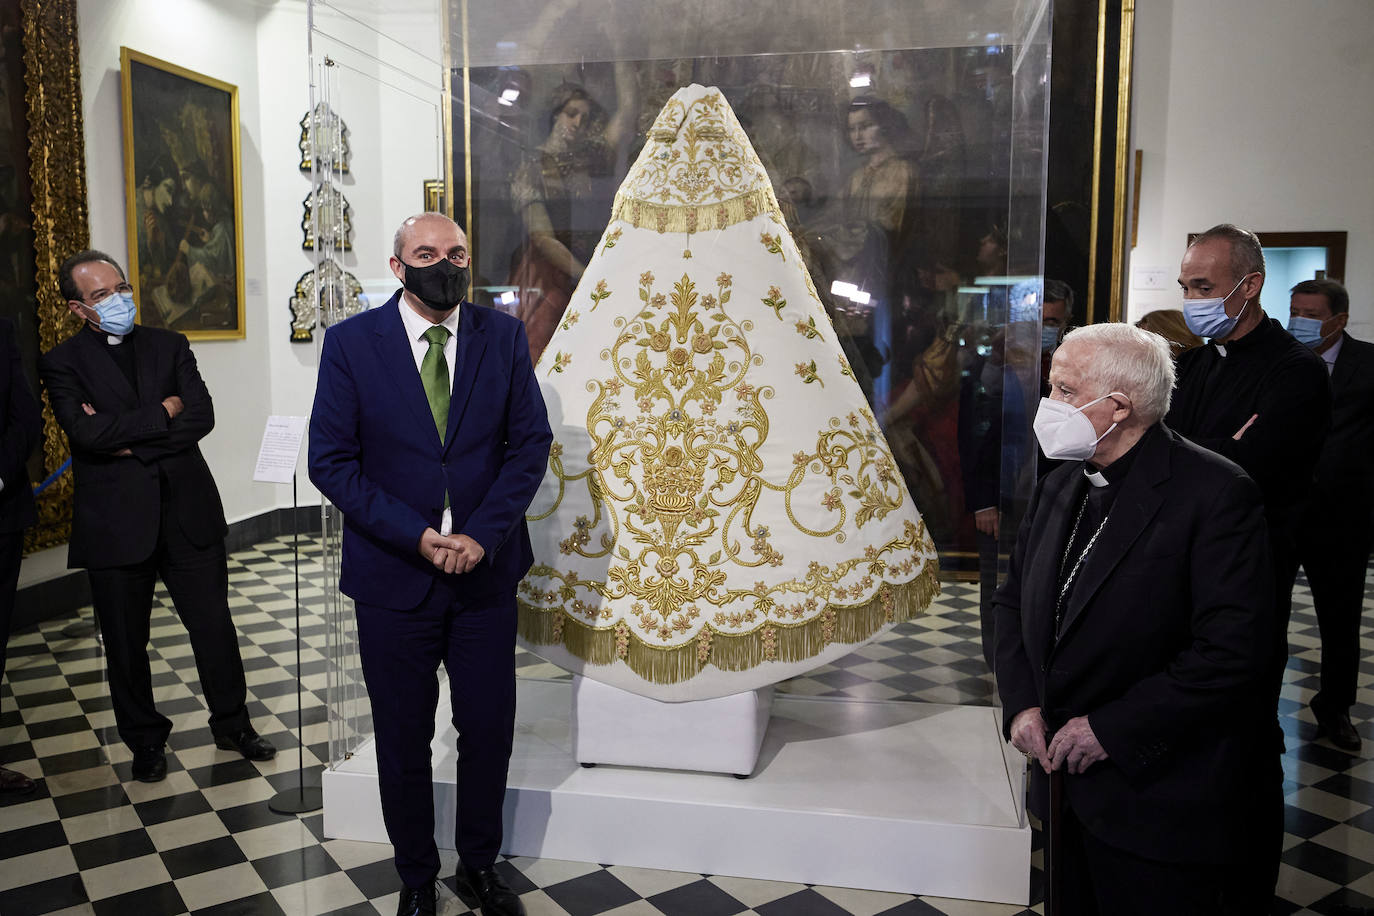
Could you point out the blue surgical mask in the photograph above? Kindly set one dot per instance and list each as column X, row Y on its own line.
column 1307, row 330
column 1049, row 339
column 1208, row 318
column 116, row 313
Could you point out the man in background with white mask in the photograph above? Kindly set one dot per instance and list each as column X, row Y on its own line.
column 1117, row 662
column 1259, row 397
column 134, row 408
column 1336, row 526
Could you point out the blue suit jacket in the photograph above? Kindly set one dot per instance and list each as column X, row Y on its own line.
column 374, row 452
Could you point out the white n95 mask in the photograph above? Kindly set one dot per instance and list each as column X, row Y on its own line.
column 1065, row 433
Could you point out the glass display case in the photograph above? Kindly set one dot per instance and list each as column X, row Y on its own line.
column 906, row 145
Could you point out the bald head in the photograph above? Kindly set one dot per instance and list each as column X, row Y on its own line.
column 421, row 221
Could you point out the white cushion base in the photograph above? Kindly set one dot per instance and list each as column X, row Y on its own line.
column 721, row 735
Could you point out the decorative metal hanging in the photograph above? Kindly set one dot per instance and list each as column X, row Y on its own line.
column 324, row 296
column 329, row 143
column 327, row 209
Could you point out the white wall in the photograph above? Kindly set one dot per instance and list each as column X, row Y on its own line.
column 1255, row 112
column 218, row 40
column 262, row 47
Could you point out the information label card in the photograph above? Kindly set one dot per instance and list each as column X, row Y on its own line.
column 281, row 446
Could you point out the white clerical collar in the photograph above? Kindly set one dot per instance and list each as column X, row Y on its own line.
column 1221, row 350
column 1095, row 477
column 114, row 340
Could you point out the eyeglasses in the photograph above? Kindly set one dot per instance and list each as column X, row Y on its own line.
column 100, row 295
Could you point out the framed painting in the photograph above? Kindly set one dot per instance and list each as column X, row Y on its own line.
column 183, row 200
column 42, row 216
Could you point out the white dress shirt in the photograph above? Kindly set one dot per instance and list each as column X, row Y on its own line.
column 1330, row 355
column 416, row 325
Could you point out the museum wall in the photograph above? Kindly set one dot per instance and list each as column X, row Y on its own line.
column 219, row 40
column 262, row 48
column 1254, row 112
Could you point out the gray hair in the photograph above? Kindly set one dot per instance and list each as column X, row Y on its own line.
column 1247, row 255
column 1059, row 291
column 1132, row 361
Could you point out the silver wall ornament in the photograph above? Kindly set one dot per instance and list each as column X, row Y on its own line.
column 324, row 135
column 324, row 296
column 327, row 212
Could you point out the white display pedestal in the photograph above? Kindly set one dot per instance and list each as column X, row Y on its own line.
column 721, row 735
column 892, row 796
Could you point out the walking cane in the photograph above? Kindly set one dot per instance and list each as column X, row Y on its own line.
column 1054, row 844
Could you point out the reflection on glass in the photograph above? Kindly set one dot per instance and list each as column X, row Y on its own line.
column 893, row 169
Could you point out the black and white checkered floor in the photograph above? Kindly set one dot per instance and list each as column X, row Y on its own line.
column 90, row 840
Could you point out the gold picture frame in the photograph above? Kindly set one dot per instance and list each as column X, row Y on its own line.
column 434, row 195
column 57, row 179
column 183, row 197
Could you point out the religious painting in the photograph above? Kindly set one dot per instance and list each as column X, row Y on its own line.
column 183, row 200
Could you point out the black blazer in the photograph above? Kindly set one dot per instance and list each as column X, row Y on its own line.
column 117, row 509
column 1345, row 471
column 21, row 426
column 1163, row 646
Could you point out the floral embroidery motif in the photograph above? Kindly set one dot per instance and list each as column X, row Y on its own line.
column 807, row 371
column 775, row 301
column 599, row 293
column 561, row 361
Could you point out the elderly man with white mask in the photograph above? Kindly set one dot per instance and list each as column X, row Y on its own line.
column 1132, row 634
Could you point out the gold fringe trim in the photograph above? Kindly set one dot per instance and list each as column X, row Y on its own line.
column 771, row 641
column 696, row 217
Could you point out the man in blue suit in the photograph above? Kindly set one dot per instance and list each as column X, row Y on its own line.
column 433, row 480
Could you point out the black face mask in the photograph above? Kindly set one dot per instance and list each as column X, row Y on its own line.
column 440, row 286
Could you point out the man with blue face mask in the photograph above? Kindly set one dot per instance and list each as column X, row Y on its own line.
column 1336, row 526
column 1260, row 398
column 134, row 407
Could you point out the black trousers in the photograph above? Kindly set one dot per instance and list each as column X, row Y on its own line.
column 11, row 555
column 198, row 580
column 1250, row 886
column 401, row 652
column 1101, row 880
column 1335, row 557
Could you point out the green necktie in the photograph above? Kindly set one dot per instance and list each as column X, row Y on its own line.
column 434, row 376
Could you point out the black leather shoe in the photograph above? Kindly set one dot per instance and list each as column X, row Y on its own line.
column 15, row 783
column 248, row 743
column 417, row 901
column 1338, row 727
column 491, row 890
column 150, row 764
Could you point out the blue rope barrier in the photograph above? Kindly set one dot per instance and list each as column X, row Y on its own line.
column 52, row 478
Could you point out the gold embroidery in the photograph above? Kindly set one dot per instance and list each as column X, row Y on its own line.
column 676, row 533
column 599, row 293
column 689, row 484
column 730, row 652
column 696, row 173
column 773, row 244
